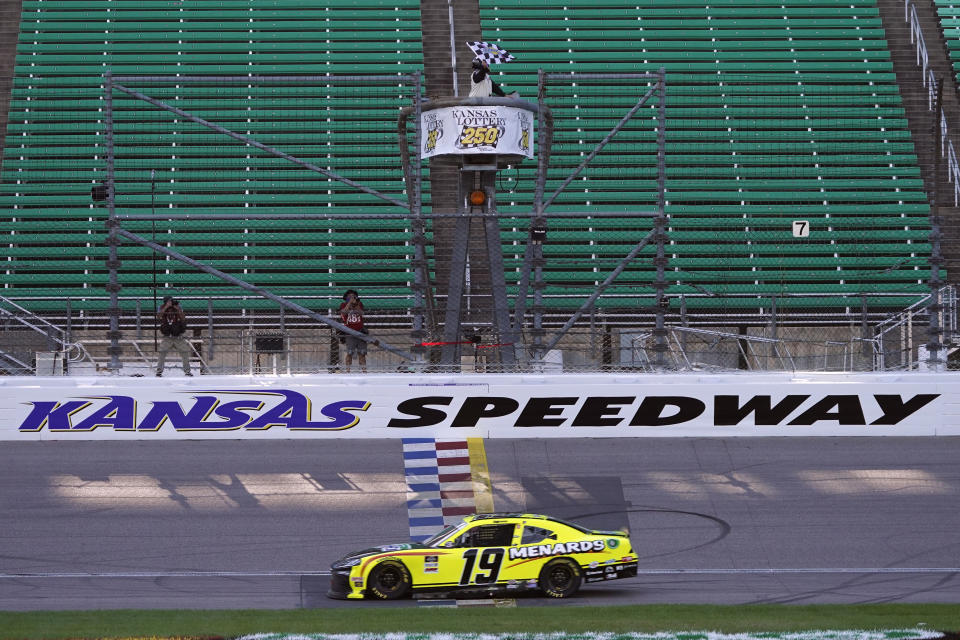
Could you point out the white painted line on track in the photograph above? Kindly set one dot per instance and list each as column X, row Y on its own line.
column 642, row 572
column 654, row 572
column 165, row 574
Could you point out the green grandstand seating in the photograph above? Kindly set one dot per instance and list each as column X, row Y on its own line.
column 54, row 150
column 777, row 111
column 949, row 13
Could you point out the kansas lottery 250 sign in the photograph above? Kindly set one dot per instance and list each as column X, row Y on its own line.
column 460, row 130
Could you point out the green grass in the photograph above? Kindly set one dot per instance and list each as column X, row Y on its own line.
column 366, row 618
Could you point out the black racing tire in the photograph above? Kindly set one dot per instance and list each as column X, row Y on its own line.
column 389, row 580
column 560, row 578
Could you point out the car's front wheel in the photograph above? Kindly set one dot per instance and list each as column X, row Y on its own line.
column 560, row 578
column 389, row 581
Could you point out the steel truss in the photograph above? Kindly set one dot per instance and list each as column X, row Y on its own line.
column 115, row 231
column 533, row 260
column 532, row 276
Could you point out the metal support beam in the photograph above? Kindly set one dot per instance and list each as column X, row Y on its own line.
column 593, row 154
column 211, row 341
column 773, row 325
column 599, row 290
column 450, row 353
column 113, row 225
column 538, row 284
column 533, row 255
column 573, row 75
column 458, row 264
column 684, row 322
column 281, row 80
column 259, row 145
column 421, row 272
column 660, row 223
column 453, row 48
column 366, row 216
column 866, row 334
column 456, row 286
column 283, row 302
column 498, row 286
column 934, row 330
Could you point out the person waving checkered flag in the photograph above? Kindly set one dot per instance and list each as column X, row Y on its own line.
column 490, row 52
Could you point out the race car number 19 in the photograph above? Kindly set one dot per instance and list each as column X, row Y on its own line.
column 488, row 566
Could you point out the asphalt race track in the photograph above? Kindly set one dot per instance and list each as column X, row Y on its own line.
column 239, row 524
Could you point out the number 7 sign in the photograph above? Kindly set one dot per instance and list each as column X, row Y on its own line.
column 801, row 228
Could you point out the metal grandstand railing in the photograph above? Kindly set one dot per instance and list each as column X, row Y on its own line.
column 59, row 340
column 929, row 81
column 775, row 341
column 895, row 340
column 747, row 349
column 892, row 347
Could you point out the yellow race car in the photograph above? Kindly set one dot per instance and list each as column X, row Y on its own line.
column 488, row 553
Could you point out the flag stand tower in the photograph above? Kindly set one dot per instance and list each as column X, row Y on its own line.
column 487, row 134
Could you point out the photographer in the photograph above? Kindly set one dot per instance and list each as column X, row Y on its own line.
column 173, row 324
column 351, row 314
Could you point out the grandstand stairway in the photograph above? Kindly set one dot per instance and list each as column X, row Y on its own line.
column 9, row 30
column 445, row 171
column 903, row 55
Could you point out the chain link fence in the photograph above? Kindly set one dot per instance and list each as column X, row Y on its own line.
column 278, row 343
column 794, row 236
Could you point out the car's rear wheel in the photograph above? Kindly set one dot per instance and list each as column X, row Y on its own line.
column 389, row 581
column 560, row 578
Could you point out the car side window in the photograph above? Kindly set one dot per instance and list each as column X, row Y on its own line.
column 532, row 535
column 491, row 535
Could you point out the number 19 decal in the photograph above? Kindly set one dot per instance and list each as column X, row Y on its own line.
column 488, row 568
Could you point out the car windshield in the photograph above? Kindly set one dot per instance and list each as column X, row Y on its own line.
column 446, row 532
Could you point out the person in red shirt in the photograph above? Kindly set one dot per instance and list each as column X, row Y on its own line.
column 351, row 314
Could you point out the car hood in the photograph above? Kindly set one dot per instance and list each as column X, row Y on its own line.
column 372, row 551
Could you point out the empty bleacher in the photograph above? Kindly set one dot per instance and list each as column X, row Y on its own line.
column 54, row 152
column 948, row 11
column 776, row 111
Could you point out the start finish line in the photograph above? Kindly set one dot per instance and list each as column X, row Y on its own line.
column 486, row 406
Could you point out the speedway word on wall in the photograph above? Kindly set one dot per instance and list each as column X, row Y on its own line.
column 478, row 406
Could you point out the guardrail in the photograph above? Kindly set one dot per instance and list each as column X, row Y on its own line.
column 930, row 82
column 69, row 351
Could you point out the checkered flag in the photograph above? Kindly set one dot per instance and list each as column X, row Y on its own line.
column 490, row 52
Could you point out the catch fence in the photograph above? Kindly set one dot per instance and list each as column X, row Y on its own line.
column 665, row 224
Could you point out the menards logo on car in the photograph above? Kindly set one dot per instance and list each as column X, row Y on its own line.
column 560, row 548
